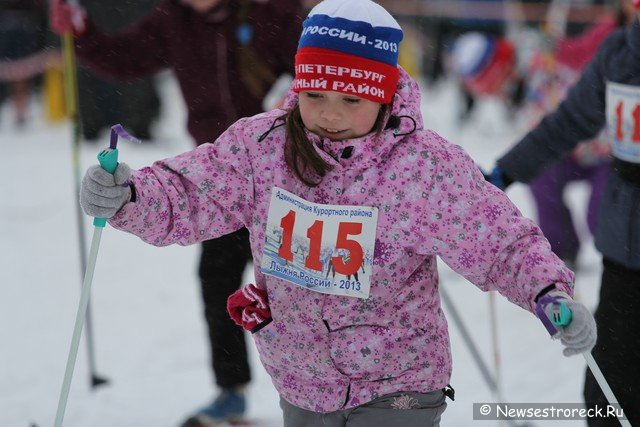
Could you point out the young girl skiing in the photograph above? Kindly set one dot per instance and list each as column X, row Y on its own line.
column 346, row 169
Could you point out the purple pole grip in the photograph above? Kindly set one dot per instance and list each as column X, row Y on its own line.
column 118, row 131
column 542, row 303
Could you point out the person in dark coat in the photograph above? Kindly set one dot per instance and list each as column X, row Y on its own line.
column 607, row 94
column 226, row 55
column 104, row 101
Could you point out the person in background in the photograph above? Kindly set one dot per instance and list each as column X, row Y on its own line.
column 548, row 75
column 548, row 80
column 486, row 65
column 105, row 100
column 226, row 55
column 23, row 26
column 347, row 168
column 606, row 94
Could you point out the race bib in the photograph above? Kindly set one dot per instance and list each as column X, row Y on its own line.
column 323, row 248
column 623, row 120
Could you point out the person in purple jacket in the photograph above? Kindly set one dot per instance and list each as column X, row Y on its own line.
column 226, row 55
column 346, row 168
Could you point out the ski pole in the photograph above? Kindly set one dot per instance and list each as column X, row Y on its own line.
column 108, row 159
column 496, row 348
column 561, row 316
column 71, row 101
column 475, row 353
column 457, row 319
column 494, row 342
column 497, row 360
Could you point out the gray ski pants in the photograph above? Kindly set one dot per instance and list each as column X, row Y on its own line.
column 406, row 409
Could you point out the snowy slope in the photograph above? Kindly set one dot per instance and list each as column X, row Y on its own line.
column 146, row 309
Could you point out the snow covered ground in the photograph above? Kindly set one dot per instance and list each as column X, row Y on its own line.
column 145, row 304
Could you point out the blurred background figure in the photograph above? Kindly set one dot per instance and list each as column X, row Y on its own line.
column 551, row 74
column 445, row 30
column 537, row 80
column 227, row 55
column 104, row 101
column 486, row 66
column 23, row 26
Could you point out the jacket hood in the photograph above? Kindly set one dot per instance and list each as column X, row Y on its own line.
column 404, row 119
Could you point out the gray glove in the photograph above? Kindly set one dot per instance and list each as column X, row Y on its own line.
column 103, row 194
column 580, row 335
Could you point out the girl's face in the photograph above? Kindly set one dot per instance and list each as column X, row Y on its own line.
column 337, row 116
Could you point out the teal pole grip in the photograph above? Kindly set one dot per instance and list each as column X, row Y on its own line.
column 108, row 159
column 561, row 315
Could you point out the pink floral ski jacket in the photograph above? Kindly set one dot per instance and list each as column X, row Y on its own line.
column 327, row 352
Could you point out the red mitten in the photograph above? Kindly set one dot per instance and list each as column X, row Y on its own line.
column 249, row 308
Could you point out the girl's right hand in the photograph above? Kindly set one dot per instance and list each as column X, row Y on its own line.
column 579, row 335
column 102, row 194
column 249, row 308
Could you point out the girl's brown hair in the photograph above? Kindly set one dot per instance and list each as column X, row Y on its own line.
column 300, row 154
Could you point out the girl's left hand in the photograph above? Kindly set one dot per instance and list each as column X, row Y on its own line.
column 580, row 334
